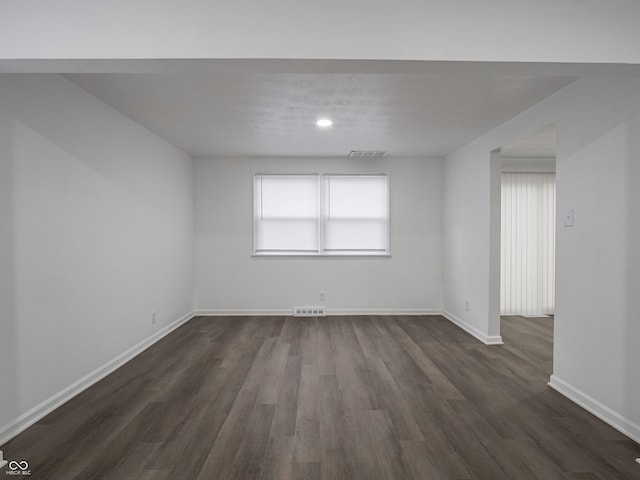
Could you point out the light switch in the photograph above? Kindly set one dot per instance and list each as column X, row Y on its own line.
column 568, row 218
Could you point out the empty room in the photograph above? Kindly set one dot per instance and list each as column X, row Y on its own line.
column 349, row 240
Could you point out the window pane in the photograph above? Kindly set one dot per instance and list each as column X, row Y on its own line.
column 289, row 196
column 286, row 213
column 287, row 235
column 355, row 213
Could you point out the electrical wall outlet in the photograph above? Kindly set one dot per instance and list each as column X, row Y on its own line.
column 323, row 296
column 153, row 318
column 466, row 305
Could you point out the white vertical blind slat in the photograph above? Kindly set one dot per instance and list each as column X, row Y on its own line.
column 528, row 244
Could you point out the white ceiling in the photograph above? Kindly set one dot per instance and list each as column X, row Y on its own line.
column 241, row 112
column 541, row 145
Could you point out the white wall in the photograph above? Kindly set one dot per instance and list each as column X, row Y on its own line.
column 460, row 30
column 528, row 165
column 228, row 279
column 597, row 332
column 466, row 240
column 96, row 232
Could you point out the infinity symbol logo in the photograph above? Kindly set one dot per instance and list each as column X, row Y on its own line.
column 23, row 465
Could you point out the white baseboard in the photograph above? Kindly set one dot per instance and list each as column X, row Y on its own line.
column 330, row 311
column 241, row 312
column 604, row 413
column 486, row 339
column 383, row 311
column 24, row 421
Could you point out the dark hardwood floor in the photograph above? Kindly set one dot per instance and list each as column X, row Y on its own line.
column 386, row 397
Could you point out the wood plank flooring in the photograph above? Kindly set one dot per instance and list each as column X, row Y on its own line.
column 362, row 397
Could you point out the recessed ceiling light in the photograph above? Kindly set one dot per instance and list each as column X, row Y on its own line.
column 324, row 122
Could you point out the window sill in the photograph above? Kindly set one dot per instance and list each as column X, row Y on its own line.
column 333, row 256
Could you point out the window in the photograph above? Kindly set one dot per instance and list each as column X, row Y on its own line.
column 321, row 214
column 286, row 213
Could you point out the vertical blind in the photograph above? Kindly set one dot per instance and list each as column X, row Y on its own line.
column 528, row 244
column 321, row 214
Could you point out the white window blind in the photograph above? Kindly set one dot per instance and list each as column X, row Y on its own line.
column 355, row 213
column 286, row 213
column 322, row 214
column 528, row 244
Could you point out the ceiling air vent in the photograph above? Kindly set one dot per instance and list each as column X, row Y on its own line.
column 367, row 153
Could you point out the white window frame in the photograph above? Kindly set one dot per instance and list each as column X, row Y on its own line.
column 321, row 253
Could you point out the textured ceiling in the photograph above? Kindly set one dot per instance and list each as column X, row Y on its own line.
column 243, row 113
column 541, row 145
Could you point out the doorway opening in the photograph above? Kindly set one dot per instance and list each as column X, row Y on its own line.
column 527, row 238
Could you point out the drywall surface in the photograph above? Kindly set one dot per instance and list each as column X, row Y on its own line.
column 466, row 238
column 229, row 280
column 598, row 263
column 461, row 30
column 96, row 232
column 597, row 330
column 528, row 165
